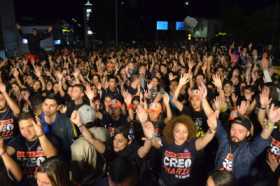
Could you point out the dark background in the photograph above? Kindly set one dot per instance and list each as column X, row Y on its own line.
column 246, row 19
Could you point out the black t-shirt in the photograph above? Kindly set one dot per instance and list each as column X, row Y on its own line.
column 8, row 125
column 29, row 155
column 275, row 144
column 199, row 118
column 109, row 123
column 130, row 153
column 177, row 163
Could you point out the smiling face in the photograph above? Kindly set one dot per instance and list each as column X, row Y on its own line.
column 180, row 133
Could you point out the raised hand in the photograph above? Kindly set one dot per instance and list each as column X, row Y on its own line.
column 89, row 92
column 273, row 114
column 38, row 127
column 217, row 104
column 2, row 88
column 38, row 71
column 76, row 73
column 242, row 108
column 127, row 97
column 217, row 81
column 75, row 118
column 202, row 91
column 149, row 129
column 264, row 98
column 141, row 114
column 212, row 120
column 191, row 64
column 59, row 75
column 185, row 78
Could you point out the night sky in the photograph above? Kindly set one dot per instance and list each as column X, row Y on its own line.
column 52, row 10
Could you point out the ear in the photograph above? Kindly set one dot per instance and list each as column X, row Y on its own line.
column 129, row 142
column 248, row 134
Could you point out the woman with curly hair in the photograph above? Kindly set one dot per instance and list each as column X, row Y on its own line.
column 178, row 146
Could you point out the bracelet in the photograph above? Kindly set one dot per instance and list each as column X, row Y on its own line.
column 270, row 125
column 40, row 135
column 212, row 131
column 79, row 126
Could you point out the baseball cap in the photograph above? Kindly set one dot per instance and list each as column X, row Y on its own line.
column 244, row 121
column 87, row 114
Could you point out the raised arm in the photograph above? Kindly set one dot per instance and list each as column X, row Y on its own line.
column 167, row 106
column 38, row 73
column 47, row 146
column 264, row 104
column 201, row 142
column 148, row 129
column 273, row 117
column 12, row 105
column 99, row 146
column 128, row 102
column 9, row 163
column 185, row 78
column 203, row 95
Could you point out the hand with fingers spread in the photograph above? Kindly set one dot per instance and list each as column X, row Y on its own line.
column 273, row 114
column 89, row 92
column 217, row 104
column 38, row 127
column 264, row 98
column 242, row 108
column 185, row 78
column 202, row 91
column 141, row 114
column 127, row 97
column 217, row 81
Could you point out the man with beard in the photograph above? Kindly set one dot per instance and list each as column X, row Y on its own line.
column 57, row 124
column 8, row 112
column 237, row 152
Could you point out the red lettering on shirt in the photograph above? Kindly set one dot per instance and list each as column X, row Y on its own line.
column 177, row 164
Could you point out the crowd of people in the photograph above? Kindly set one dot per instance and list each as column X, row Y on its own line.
column 193, row 114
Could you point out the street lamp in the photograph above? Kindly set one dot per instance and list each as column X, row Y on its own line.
column 88, row 13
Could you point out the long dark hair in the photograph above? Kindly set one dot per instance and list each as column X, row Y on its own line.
column 57, row 171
